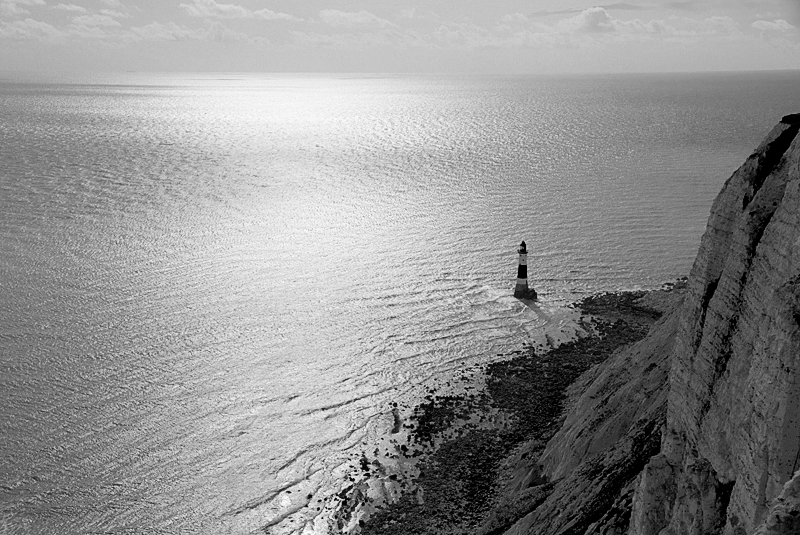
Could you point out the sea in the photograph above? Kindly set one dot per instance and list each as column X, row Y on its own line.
column 213, row 287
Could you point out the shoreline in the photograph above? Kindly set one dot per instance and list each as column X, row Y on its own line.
column 452, row 468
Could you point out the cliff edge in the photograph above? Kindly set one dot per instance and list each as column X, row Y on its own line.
column 695, row 430
column 732, row 437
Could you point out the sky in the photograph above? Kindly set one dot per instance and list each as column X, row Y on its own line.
column 379, row 36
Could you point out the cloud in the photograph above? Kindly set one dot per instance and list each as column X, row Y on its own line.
column 114, row 3
column 115, row 14
column 359, row 30
column 719, row 25
column 465, row 35
column 516, row 18
column 266, row 14
column 11, row 8
column 592, row 20
column 596, row 25
column 81, row 26
column 29, row 29
column 779, row 25
column 220, row 33
column 362, row 40
column 588, row 27
column 94, row 26
column 210, row 9
column 728, row 6
column 159, row 31
column 334, row 17
column 598, row 20
column 170, row 31
column 71, row 7
column 683, row 5
column 622, row 6
column 95, row 20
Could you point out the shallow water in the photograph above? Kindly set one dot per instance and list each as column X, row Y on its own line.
column 212, row 287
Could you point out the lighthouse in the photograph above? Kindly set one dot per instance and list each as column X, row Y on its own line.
column 521, row 291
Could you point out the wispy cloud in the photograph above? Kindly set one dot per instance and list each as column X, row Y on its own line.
column 95, row 20
column 622, row 6
column 70, row 7
column 267, row 14
column 209, row 9
column 682, row 4
column 170, row 31
column 723, row 6
column 719, row 25
column 437, row 35
column 29, row 29
column 165, row 31
column 466, row 36
column 590, row 27
column 115, row 14
column 594, row 21
column 334, row 17
column 779, row 25
column 13, row 8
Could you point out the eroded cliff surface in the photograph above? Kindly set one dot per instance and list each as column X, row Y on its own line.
column 612, row 430
column 733, row 425
column 716, row 384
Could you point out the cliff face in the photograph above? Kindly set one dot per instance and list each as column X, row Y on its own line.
column 696, row 429
column 611, row 432
column 733, row 419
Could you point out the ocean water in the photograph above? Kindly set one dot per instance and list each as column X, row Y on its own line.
column 213, row 286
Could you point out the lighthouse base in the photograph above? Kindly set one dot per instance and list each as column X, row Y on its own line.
column 521, row 291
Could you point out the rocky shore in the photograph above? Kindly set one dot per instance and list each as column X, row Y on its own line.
column 472, row 483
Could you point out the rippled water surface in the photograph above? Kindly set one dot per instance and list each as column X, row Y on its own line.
column 211, row 287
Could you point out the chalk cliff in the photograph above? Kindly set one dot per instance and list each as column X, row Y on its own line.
column 696, row 428
column 733, row 418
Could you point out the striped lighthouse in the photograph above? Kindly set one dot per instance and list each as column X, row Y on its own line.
column 521, row 291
